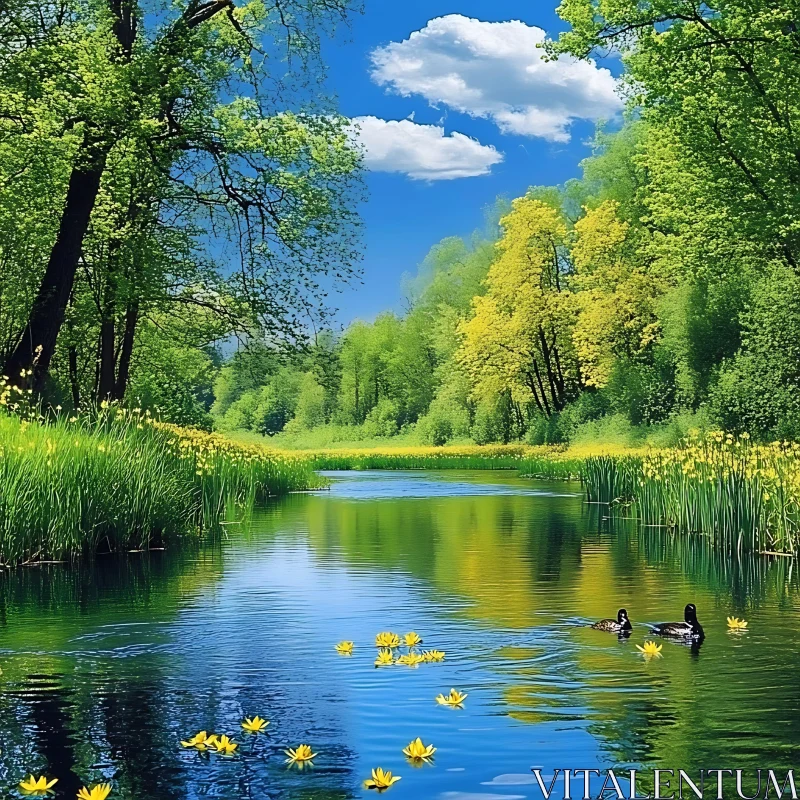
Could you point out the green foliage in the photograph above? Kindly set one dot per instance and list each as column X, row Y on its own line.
column 195, row 136
column 759, row 388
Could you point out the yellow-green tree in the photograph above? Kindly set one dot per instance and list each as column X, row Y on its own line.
column 519, row 337
column 614, row 294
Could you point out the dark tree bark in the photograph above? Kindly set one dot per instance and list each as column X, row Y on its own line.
column 126, row 350
column 73, row 377
column 108, row 353
column 35, row 347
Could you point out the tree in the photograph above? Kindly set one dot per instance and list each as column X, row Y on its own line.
column 185, row 92
column 722, row 77
column 615, row 295
column 519, row 339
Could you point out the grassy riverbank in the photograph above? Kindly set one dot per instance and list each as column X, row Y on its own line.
column 740, row 495
column 122, row 482
column 557, row 462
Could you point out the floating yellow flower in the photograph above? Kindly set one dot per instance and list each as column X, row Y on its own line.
column 380, row 780
column 650, row 649
column 200, row 741
column 736, row 624
column 384, row 659
column 254, row 725
column 299, row 755
column 410, row 659
column 433, row 655
column 224, row 745
column 455, row 698
column 345, row 648
column 38, row 785
column 99, row 792
column 387, row 639
column 419, row 751
column 412, row 639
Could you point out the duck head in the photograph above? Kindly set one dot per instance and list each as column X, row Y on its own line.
column 690, row 616
column 622, row 619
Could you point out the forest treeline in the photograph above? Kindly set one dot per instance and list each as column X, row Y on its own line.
column 662, row 283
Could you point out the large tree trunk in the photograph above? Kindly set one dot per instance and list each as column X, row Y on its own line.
column 35, row 348
column 126, row 350
column 108, row 310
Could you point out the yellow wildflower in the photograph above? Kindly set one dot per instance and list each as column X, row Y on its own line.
column 454, row 699
column 387, row 639
column 380, row 780
column 37, row 786
column 650, row 649
column 98, row 792
column 418, row 751
column 300, row 754
column 255, row 725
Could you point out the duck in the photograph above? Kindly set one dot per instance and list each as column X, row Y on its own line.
column 621, row 624
column 690, row 628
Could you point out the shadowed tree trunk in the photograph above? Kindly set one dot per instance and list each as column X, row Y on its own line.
column 35, row 347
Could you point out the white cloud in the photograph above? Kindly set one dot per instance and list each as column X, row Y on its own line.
column 422, row 151
column 495, row 70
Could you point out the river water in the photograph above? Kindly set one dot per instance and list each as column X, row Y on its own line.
column 107, row 666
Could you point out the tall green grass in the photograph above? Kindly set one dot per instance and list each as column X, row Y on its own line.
column 738, row 495
column 121, row 482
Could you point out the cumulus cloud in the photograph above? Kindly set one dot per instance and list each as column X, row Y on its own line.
column 423, row 152
column 495, row 70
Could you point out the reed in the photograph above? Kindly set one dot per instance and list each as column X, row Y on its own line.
column 121, row 481
column 739, row 495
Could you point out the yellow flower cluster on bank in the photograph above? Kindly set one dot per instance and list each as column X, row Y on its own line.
column 739, row 493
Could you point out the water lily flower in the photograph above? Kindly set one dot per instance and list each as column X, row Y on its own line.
column 650, row 649
column 254, row 725
column 454, row 699
column 300, row 754
column 433, row 655
column 345, row 648
column 419, row 751
column 225, row 746
column 736, row 624
column 412, row 639
column 380, row 780
column 200, row 741
column 384, row 659
column 99, row 792
column 37, row 786
column 410, row 659
column 387, row 639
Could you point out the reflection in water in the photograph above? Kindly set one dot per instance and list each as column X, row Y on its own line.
column 107, row 667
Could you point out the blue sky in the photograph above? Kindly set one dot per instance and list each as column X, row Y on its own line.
column 526, row 123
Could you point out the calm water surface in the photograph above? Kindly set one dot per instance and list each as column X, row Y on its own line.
column 107, row 667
